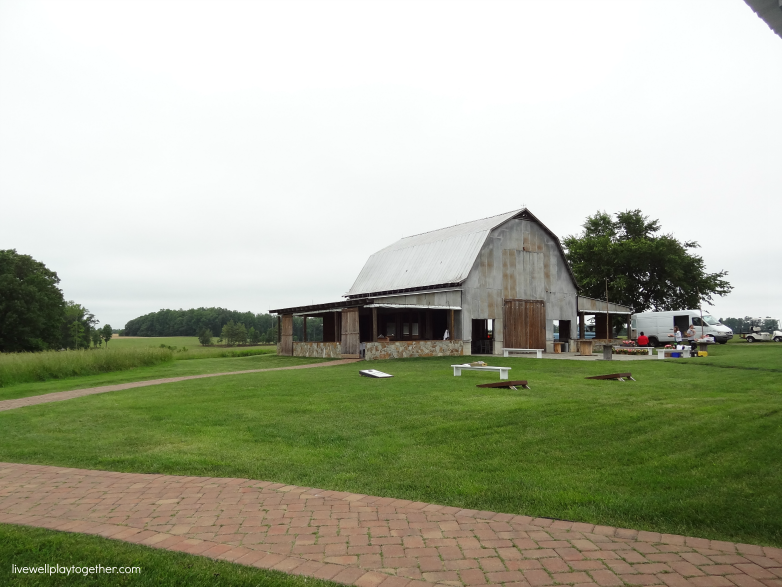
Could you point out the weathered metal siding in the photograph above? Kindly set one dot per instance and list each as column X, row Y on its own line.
column 519, row 260
column 442, row 299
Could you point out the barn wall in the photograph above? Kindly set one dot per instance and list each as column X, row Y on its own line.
column 518, row 261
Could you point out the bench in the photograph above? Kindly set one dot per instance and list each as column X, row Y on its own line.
column 538, row 352
column 685, row 352
column 457, row 370
column 648, row 349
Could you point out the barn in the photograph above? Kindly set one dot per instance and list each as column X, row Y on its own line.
column 472, row 288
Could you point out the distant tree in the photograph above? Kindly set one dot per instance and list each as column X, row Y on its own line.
column 229, row 333
column 241, row 334
column 106, row 334
column 96, row 338
column 644, row 270
column 254, row 335
column 72, row 337
column 31, row 304
column 205, row 337
column 770, row 324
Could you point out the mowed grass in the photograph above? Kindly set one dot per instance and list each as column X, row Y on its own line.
column 685, row 449
column 30, row 547
column 170, row 369
column 194, row 349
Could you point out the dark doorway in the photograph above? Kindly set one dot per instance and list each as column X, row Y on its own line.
column 565, row 333
column 683, row 322
column 482, row 339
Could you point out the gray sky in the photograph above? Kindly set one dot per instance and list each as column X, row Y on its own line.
column 252, row 155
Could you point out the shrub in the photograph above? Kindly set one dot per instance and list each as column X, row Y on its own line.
column 27, row 367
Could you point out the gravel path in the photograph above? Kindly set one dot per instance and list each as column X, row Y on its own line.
column 12, row 404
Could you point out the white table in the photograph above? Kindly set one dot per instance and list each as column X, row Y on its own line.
column 685, row 352
column 538, row 352
column 457, row 370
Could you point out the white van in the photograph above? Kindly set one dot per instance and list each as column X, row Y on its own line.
column 658, row 325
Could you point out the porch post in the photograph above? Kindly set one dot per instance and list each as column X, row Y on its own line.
column 629, row 326
column 374, row 324
column 279, row 321
column 581, row 326
column 304, row 333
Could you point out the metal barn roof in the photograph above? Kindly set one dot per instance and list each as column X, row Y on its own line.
column 770, row 11
column 440, row 258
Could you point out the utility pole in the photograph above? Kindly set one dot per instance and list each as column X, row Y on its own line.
column 608, row 319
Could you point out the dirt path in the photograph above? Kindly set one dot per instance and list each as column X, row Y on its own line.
column 368, row 541
column 12, row 404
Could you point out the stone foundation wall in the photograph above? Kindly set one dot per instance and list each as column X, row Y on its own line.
column 413, row 348
column 320, row 350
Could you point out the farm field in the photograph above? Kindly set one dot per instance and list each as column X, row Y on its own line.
column 194, row 348
column 36, row 546
column 169, row 369
column 686, row 449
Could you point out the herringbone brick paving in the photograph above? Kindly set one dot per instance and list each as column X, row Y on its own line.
column 59, row 396
column 368, row 541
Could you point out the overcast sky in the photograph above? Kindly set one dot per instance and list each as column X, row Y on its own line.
column 252, row 155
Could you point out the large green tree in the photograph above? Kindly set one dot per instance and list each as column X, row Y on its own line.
column 31, row 304
column 644, row 269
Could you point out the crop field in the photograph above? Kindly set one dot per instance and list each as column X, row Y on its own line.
column 692, row 447
column 194, row 348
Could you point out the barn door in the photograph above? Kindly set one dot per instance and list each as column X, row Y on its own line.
column 524, row 324
column 350, row 333
column 286, row 339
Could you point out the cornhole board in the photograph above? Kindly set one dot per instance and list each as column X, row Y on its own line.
column 374, row 373
column 507, row 384
column 617, row 376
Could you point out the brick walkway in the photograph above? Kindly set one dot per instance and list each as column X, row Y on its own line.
column 12, row 404
column 368, row 541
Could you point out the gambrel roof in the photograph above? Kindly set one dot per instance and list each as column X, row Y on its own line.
column 431, row 260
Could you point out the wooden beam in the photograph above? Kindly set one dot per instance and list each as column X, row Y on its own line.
column 374, row 324
column 279, row 322
column 304, row 329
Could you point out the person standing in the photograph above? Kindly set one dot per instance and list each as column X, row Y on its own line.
column 691, row 336
column 677, row 335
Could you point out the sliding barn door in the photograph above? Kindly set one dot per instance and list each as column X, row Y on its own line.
column 286, row 338
column 524, row 324
column 350, row 333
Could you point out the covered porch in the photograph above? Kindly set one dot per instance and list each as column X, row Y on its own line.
column 370, row 329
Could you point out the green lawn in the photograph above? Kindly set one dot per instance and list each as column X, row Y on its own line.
column 686, row 449
column 29, row 547
column 172, row 369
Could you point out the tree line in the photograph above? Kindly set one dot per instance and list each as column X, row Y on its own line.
column 197, row 321
column 34, row 315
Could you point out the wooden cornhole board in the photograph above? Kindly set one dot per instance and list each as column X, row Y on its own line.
column 507, row 384
column 617, row 376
